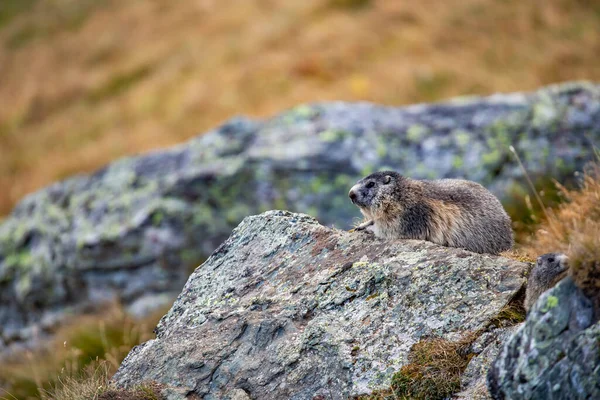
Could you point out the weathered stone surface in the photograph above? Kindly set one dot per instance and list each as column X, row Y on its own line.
column 555, row 354
column 289, row 309
column 485, row 349
column 131, row 230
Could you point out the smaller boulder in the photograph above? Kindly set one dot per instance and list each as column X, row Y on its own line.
column 555, row 354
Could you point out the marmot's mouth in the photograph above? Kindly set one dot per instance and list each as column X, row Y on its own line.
column 359, row 204
column 356, row 201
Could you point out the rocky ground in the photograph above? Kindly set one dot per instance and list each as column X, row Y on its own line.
column 288, row 308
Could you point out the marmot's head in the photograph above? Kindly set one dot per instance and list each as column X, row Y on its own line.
column 377, row 192
column 549, row 269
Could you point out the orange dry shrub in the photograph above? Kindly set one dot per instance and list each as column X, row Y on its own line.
column 574, row 229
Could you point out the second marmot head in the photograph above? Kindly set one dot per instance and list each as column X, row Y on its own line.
column 549, row 269
column 450, row 212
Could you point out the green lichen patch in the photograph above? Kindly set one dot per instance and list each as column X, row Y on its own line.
column 333, row 135
column 417, row 133
column 551, row 302
column 19, row 259
column 305, row 111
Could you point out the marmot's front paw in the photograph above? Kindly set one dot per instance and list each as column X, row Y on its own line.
column 364, row 226
column 369, row 229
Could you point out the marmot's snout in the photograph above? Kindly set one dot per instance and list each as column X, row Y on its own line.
column 352, row 195
column 366, row 191
column 360, row 194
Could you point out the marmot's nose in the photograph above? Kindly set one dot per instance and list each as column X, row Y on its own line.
column 352, row 195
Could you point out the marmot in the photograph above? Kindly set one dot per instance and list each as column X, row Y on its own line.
column 548, row 271
column 449, row 212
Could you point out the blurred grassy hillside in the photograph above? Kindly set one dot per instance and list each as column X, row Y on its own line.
column 98, row 342
column 85, row 81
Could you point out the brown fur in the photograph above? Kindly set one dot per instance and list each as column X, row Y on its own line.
column 444, row 220
column 550, row 269
column 449, row 212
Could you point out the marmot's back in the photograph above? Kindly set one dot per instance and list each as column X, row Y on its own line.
column 450, row 212
column 481, row 223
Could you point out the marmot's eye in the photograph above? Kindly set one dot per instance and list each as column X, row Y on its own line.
column 551, row 260
column 370, row 185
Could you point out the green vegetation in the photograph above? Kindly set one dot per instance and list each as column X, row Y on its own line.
column 85, row 353
column 119, row 83
column 349, row 4
column 528, row 213
column 11, row 8
column 22, row 37
column 430, row 86
column 432, row 373
column 64, row 16
column 511, row 314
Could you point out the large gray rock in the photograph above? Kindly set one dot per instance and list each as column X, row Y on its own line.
column 555, row 354
column 132, row 230
column 289, row 309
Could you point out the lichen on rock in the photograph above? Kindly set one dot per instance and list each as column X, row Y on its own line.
column 555, row 354
column 288, row 308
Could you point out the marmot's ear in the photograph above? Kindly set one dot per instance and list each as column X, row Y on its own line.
column 387, row 179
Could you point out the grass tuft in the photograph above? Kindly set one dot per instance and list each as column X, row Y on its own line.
column 519, row 255
column 433, row 371
column 93, row 383
column 511, row 314
column 94, row 344
column 119, row 84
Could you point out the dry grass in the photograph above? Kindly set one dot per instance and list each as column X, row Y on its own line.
column 518, row 254
column 574, row 229
column 84, row 353
column 433, row 371
column 511, row 314
column 574, row 226
column 93, row 383
column 435, row 365
column 86, row 81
